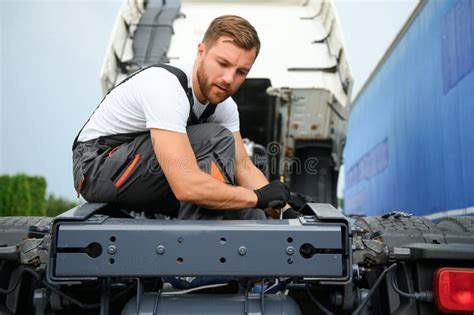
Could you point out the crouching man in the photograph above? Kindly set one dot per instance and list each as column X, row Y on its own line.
column 167, row 138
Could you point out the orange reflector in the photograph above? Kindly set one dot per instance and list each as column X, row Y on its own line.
column 127, row 172
column 216, row 173
column 454, row 289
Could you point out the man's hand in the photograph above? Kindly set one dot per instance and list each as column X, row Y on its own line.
column 273, row 195
column 291, row 213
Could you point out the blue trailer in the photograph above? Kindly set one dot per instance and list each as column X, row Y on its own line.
column 410, row 137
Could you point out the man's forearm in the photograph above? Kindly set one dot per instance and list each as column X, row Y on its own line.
column 205, row 191
column 249, row 176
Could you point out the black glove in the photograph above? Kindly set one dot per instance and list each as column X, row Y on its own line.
column 298, row 200
column 273, row 195
column 291, row 213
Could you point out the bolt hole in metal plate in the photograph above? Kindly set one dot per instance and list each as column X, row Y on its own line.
column 112, row 261
column 222, row 260
column 113, row 239
column 223, row 240
column 179, row 260
column 289, row 240
column 307, row 250
column 94, row 250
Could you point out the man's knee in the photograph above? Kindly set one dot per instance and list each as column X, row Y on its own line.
column 205, row 132
column 211, row 139
column 214, row 148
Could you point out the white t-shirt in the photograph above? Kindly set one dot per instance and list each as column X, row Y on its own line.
column 153, row 98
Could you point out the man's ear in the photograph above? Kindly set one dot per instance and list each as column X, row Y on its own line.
column 201, row 49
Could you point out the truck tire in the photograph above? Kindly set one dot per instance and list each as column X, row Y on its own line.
column 457, row 224
column 14, row 229
column 374, row 225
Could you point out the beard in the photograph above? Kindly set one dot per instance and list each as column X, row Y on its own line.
column 206, row 87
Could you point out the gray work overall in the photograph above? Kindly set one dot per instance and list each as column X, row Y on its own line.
column 123, row 169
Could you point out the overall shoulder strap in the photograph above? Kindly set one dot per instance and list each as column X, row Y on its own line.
column 182, row 78
column 210, row 109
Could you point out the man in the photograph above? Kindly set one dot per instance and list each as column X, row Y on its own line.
column 168, row 138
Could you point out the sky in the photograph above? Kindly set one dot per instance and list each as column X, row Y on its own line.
column 51, row 53
column 369, row 27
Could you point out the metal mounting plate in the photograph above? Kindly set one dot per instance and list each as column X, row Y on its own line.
column 142, row 248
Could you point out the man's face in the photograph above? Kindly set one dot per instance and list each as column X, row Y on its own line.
column 222, row 68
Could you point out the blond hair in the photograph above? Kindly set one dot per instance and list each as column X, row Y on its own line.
column 242, row 33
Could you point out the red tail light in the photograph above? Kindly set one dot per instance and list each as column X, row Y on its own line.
column 454, row 289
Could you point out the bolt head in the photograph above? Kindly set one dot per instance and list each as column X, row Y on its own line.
column 111, row 249
column 290, row 250
column 160, row 250
column 242, row 250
